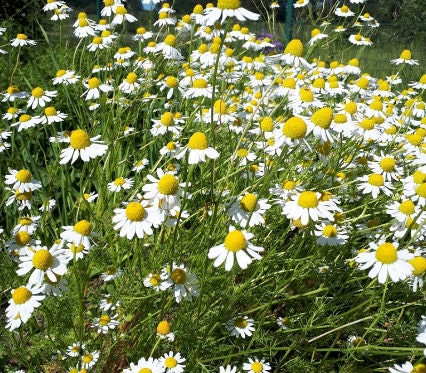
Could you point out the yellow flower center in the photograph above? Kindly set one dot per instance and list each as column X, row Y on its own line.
column 21, row 295
column 295, row 48
column 362, row 82
column 109, row 2
column 42, row 259
column 421, row 190
column 60, row 73
column 220, row 107
column 294, row 128
column 104, row 320
column 145, row 370
column 22, row 37
column 329, row 231
column 308, row 199
column 288, row 184
column 235, row 241
column 24, row 118
column 242, row 153
column 214, row 48
column 366, row 124
column 240, row 322
column 199, row 83
column 37, row 92
column 24, row 176
column 170, row 40
column 344, row 9
column 318, row 83
column 155, row 280
column 75, row 249
column 407, row 207
column 387, row 164
column 178, row 276
column 257, row 367
column 25, row 221
column 249, row 202
column 83, row 227
column 322, row 117
column 50, row 111
column 419, row 265
column 228, row 4
column 315, row 32
column 198, row 141
column 198, row 9
column 131, row 78
column 170, row 362
column 135, row 211
column 93, row 83
column 168, row 185
column 414, row 139
column 171, row 145
column 405, row 55
column 79, row 139
column 306, row 94
column 97, row 40
column 172, row 82
column 386, row 253
column 87, row 358
column 376, row 179
column 167, row 119
column 163, row 327
column 24, row 196
column 22, row 238
column 83, row 22
column 120, row 9
column 119, row 181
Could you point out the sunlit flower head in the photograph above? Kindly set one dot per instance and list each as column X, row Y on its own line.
column 240, row 326
column 228, row 9
column 21, row 40
column 22, row 180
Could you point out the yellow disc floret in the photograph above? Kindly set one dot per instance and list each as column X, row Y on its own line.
column 386, row 253
column 235, row 241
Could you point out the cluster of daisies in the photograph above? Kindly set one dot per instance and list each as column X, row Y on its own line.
column 308, row 142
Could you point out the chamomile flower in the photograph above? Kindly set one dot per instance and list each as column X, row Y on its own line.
column 237, row 246
column 22, row 181
column 41, row 261
column 256, row 366
column 136, row 219
column 356, row 341
column 308, row 205
column 94, row 87
column 172, row 362
column 283, row 323
column 421, row 84
column 82, row 146
column 374, row 184
column 149, row 365
column 28, row 224
column 84, row 27
column 183, row 284
column 319, row 124
column 293, row 53
column 22, row 40
column 170, row 149
column 330, row 234
column 240, row 326
column 120, row 183
column 75, row 251
column 407, row 367
column 405, row 58
column 75, row 349
column 111, row 273
column 199, row 88
column 20, row 243
column 316, row 35
column 80, row 233
column 419, row 269
column 121, row 16
column 142, row 34
column 164, row 331
column 198, row 149
column 65, row 77
column 25, row 299
column 166, row 124
column 386, row 261
column 140, row 165
column 89, row 359
column 157, row 281
column 168, row 48
column 52, row 5
column 249, row 210
column 105, row 323
column 26, row 121
column 343, row 11
column 301, row 3
column 387, row 166
column 228, row 9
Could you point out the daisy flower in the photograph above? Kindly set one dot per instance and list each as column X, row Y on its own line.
column 330, row 234
column 386, row 261
column 75, row 251
column 236, row 245
column 111, row 273
column 137, row 218
column 199, row 88
column 240, row 326
column 419, row 268
column 374, row 184
column 283, row 322
column 145, row 365
column 356, row 341
column 406, row 58
column 249, row 210
column 407, row 367
column 41, row 261
column 164, row 331
column 293, row 53
column 65, row 77
column 121, row 16
column 256, row 366
column 142, row 34
column 25, row 299
column 301, row 3
column 89, row 359
column 94, row 87
column 386, row 165
column 39, row 97
column 308, row 205
column 183, row 284
column 172, row 363
column 83, row 146
column 28, row 224
column 166, row 124
column 21, row 40
column 120, row 183
column 105, row 323
column 228, row 9
column 198, row 149
column 80, row 233
column 168, row 48
column 84, row 27
column 139, row 165
column 51, row 115
column 26, row 121
column 75, row 349
column 421, row 84
column 22, row 180
column 157, row 281
column 344, row 11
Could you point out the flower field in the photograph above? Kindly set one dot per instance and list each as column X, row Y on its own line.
column 187, row 195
